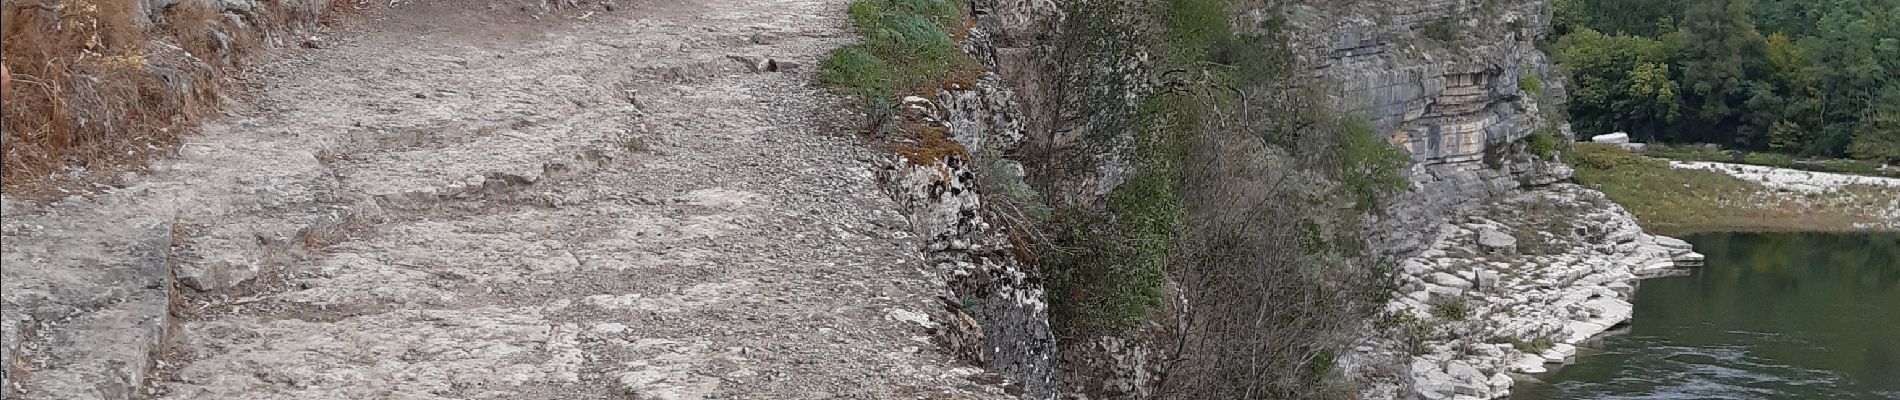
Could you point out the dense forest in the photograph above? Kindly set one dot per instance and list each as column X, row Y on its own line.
column 1814, row 78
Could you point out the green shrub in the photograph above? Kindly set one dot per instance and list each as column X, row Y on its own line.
column 1543, row 144
column 1533, row 346
column 1530, row 83
column 856, row 70
column 1451, row 309
column 1195, row 26
column 1110, row 269
column 1373, row 166
column 1599, row 156
column 1442, row 29
column 1769, row 159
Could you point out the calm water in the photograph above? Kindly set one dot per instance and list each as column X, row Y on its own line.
column 1772, row 316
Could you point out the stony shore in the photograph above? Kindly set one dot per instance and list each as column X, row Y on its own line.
column 1874, row 201
column 1512, row 287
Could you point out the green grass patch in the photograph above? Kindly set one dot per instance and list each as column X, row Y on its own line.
column 1690, row 152
column 1694, row 152
column 1769, row 159
column 1679, row 201
column 1659, row 196
column 1846, row 166
column 907, row 48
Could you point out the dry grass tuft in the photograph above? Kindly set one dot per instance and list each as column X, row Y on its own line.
column 99, row 92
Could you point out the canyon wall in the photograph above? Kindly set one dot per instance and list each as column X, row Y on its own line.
column 1444, row 81
column 1486, row 230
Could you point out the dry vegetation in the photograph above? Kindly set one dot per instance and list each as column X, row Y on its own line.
column 98, row 91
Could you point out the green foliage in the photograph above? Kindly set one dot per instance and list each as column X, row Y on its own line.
column 1442, row 29
column 1531, row 83
column 1413, row 332
column 1533, row 346
column 1879, row 134
column 905, row 49
column 1784, row 136
column 1769, row 159
column 1195, row 26
column 1107, row 281
column 1620, row 83
column 1238, row 199
column 1791, row 76
column 1111, row 272
column 637, row 144
column 1371, row 166
column 1455, row 309
column 1543, row 144
column 1845, row 166
column 1604, row 157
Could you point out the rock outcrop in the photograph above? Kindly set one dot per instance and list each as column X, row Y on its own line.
column 1502, row 267
column 1444, row 80
column 999, row 318
column 1466, row 315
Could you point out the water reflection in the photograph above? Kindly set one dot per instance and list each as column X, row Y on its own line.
column 1772, row 316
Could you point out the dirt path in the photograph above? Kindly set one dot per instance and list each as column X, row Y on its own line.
column 474, row 205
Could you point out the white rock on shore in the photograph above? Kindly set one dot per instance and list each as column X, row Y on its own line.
column 1789, row 179
column 1875, row 199
column 1569, row 279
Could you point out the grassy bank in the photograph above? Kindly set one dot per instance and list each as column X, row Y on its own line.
column 1678, row 201
column 909, row 47
column 1707, row 153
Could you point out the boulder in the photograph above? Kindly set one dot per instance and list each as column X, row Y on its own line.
column 1488, row 280
column 1529, row 364
column 1500, row 382
column 1559, row 353
column 1450, row 280
column 1673, row 243
column 1494, row 242
column 1614, row 138
column 1690, row 259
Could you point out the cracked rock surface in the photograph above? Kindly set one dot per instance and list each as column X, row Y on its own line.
column 464, row 202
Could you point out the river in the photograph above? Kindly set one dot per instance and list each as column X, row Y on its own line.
column 1772, row 316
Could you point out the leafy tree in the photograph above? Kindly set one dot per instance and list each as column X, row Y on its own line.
column 1722, row 60
column 1816, row 83
column 1879, row 134
column 1621, row 83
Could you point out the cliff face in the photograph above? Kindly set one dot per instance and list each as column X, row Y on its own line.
column 1444, row 80
column 1484, row 230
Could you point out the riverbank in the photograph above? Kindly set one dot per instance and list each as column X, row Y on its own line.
column 1684, row 197
column 1708, row 153
column 1514, row 285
